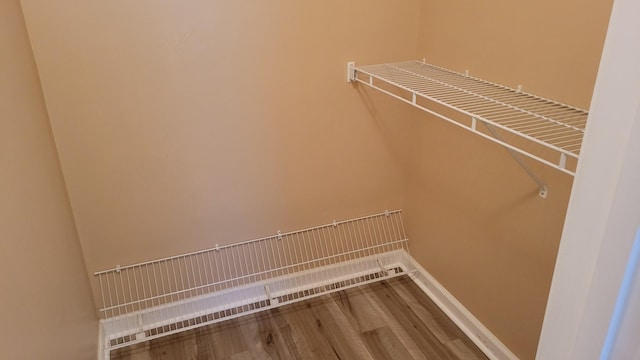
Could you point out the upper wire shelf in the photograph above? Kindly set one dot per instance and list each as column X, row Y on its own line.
column 542, row 129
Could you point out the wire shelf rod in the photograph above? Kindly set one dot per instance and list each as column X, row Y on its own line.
column 494, row 113
column 513, row 122
column 457, row 96
column 533, row 128
column 565, row 118
column 546, row 127
column 544, row 132
column 575, row 148
column 486, row 105
column 508, row 118
column 568, row 141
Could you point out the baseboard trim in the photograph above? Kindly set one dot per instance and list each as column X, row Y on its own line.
column 469, row 324
column 102, row 353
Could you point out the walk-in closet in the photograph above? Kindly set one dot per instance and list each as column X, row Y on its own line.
column 377, row 179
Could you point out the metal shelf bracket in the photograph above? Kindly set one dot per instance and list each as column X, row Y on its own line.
column 351, row 71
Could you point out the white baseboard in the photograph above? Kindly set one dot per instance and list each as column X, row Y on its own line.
column 469, row 324
column 102, row 353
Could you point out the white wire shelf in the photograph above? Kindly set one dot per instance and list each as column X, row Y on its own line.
column 542, row 129
column 164, row 296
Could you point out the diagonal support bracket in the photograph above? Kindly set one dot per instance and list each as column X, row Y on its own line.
column 543, row 190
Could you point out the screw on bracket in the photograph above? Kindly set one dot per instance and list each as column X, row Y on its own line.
column 543, row 192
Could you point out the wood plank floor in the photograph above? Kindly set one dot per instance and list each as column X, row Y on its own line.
column 391, row 319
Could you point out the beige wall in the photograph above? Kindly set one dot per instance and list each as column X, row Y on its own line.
column 474, row 217
column 46, row 307
column 184, row 124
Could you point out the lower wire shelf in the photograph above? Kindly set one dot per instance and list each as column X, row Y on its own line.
column 152, row 299
column 544, row 130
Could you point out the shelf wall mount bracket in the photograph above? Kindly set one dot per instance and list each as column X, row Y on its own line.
column 351, row 71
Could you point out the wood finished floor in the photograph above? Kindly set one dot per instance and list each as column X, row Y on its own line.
column 391, row 319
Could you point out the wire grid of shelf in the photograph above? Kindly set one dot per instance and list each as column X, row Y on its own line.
column 169, row 295
column 555, row 126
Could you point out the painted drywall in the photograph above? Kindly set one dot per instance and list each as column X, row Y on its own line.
column 604, row 213
column 476, row 221
column 46, row 305
column 180, row 125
